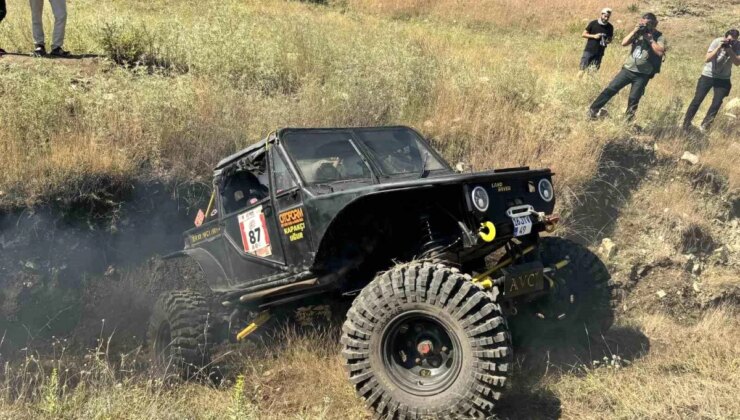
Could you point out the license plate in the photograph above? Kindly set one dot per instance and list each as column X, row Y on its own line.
column 522, row 225
column 523, row 279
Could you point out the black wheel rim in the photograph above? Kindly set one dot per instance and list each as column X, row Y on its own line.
column 162, row 343
column 561, row 302
column 421, row 354
column 567, row 301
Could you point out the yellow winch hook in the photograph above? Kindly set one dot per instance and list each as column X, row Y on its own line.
column 487, row 231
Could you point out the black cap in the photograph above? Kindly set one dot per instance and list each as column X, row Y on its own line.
column 650, row 16
column 734, row 32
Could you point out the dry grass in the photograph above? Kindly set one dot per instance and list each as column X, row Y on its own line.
column 722, row 155
column 690, row 372
column 669, row 219
column 663, row 370
column 530, row 16
column 268, row 380
column 240, row 70
column 491, row 82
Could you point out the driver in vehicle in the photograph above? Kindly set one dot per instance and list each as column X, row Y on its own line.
column 242, row 189
column 400, row 155
column 337, row 161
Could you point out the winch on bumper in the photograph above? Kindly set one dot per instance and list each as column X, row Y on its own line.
column 522, row 279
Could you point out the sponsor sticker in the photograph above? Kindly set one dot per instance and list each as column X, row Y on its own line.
column 293, row 223
column 204, row 234
column 199, row 218
column 255, row 238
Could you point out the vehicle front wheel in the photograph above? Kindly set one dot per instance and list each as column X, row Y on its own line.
column 422, row 341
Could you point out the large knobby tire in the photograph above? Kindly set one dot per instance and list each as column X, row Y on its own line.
column 181, row 334
column 582, row 302
column 422, row 341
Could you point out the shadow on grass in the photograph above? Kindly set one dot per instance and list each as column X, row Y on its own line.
column 49, row 56
column 75, row 56
column 523, row 401
column 622, row 166
column 541, row 358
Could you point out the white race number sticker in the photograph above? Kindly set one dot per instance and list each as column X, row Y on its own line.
column 522, row 225
column 255, row 238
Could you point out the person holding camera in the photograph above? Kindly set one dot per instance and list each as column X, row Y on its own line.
column 722, row 54
column 646, row 57
column 599, row 34
column 3, row 12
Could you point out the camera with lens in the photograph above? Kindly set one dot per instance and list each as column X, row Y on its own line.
column 642, row 29
column 727, row 43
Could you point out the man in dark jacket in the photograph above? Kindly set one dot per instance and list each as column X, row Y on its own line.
column 647, row 48
column 3, row 12
column 716, row 74
column 599, row 33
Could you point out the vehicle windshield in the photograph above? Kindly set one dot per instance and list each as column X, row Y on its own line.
column 326, row 156
column 398, row 151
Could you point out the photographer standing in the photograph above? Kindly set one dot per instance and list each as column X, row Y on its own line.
column 599, row 33
column 722, row 54
column 644, row 62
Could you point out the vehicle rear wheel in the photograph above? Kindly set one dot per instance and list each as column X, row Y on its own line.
column 581, row 300
column 422, row 341
column 180, row 334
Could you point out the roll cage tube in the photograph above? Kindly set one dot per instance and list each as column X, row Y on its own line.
column 292, row 169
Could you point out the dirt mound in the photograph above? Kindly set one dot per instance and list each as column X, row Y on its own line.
column 56, row 264
column 669, row 287
column 676, row 241
column 116, row 305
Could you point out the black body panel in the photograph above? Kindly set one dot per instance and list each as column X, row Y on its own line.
column 301, row 220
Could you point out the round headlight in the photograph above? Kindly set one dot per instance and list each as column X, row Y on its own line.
column 546, row 190
column 480, row 199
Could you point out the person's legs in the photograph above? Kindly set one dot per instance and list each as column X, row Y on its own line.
column 59, row 8
column 622, row 79
column 37, row 10
column 722, row 89
column 702, row 88
column 596, row 61
column 636, row 91
column 585, row 60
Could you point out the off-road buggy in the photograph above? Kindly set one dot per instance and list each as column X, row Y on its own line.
column 437, row 264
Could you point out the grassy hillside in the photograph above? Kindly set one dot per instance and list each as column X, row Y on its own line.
column 167, row 88
column 494, row 85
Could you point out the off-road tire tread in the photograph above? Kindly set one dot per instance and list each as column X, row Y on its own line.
column 603, row 293
column 191, row 330
column 479, row 316
column 596, row 288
